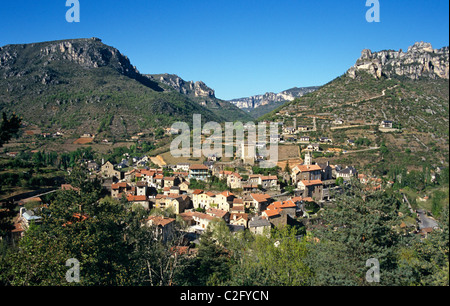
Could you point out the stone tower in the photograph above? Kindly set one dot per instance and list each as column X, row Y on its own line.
column 308, row 159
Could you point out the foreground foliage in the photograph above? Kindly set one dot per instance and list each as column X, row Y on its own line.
column 113, row 248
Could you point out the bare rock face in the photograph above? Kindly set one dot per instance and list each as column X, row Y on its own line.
column 421, row 60
column 89, row 55
column 270, row 97
column 201, row 90
column 190, row 88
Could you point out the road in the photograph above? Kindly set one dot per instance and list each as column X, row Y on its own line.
column 426, row 221
column 39, row 195
column 383, row 93
column 363, row 150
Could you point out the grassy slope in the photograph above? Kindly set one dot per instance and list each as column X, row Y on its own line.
column 420, row 107
column 75, row 97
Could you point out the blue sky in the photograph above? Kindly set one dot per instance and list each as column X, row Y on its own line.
column 237, row 47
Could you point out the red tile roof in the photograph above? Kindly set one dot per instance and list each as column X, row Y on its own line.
column 136, row 198
column 270, row 177
column 312, row 183
column 299, row 199
column 272, row 213
column 226, row 194
column 288, row 204
column 159, row 221
column 198, row 167
column 202, row 216
column 308, row 168
column 238, row 201
column 260, row 197
column 219, row 213
column 237, row 216
column 119, row 185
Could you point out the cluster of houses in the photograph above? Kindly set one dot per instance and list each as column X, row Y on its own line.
column 251, row 201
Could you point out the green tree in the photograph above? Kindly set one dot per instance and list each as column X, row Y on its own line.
column 153, row 261
column 360, row 226
column 384, row 149
column 426, row 261
column 275, row 260
column 9, row 128
column 212, row 264
column 92, row 233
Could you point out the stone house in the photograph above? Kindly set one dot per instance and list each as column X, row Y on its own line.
column 306, row 172
column 201, row 199
column 184, row 187
column 269, row 182
column 260, row 201
column 164, row 227
column 141, row 188
column 327, row 172
column 171, row 181
column 224, row 200
column 120, row 188
column 239, row 219
column 234, row 181
column 312, row 188
column 199, row 172
column 141, row 200
column 387, row 124
column 202, row 220
column 259, row 226
column 107, row 170
column 219, row 213
column 347, row 173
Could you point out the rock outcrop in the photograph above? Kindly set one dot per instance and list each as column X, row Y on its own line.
column 202, row 94
column 421, row 60
column 89, row 53
column 189, row 88
column 270, row 97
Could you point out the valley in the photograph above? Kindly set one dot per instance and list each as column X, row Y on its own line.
column 86, row 152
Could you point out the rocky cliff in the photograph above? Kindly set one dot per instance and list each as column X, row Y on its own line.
column 85, row 86
column 189, row 88
column 270, row 97
column 88, row 53
column 202, row 94
column 420, row 60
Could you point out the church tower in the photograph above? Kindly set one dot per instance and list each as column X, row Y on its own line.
column 308, row 159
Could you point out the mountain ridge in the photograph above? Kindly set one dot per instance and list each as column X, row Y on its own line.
column 412, row 99
column 420, row 60
column 78, row 84
column 199, row 92
column 270, row 97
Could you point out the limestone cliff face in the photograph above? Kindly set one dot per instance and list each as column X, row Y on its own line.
column 202, row 94
column 421, row 60
column 89, row 53
column 201, row 90
column 270, row 97
column 189, row 88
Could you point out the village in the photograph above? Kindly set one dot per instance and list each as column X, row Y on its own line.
column 255, row 202
column 291, row 194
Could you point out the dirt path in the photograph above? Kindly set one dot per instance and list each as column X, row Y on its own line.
column 383, row 93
